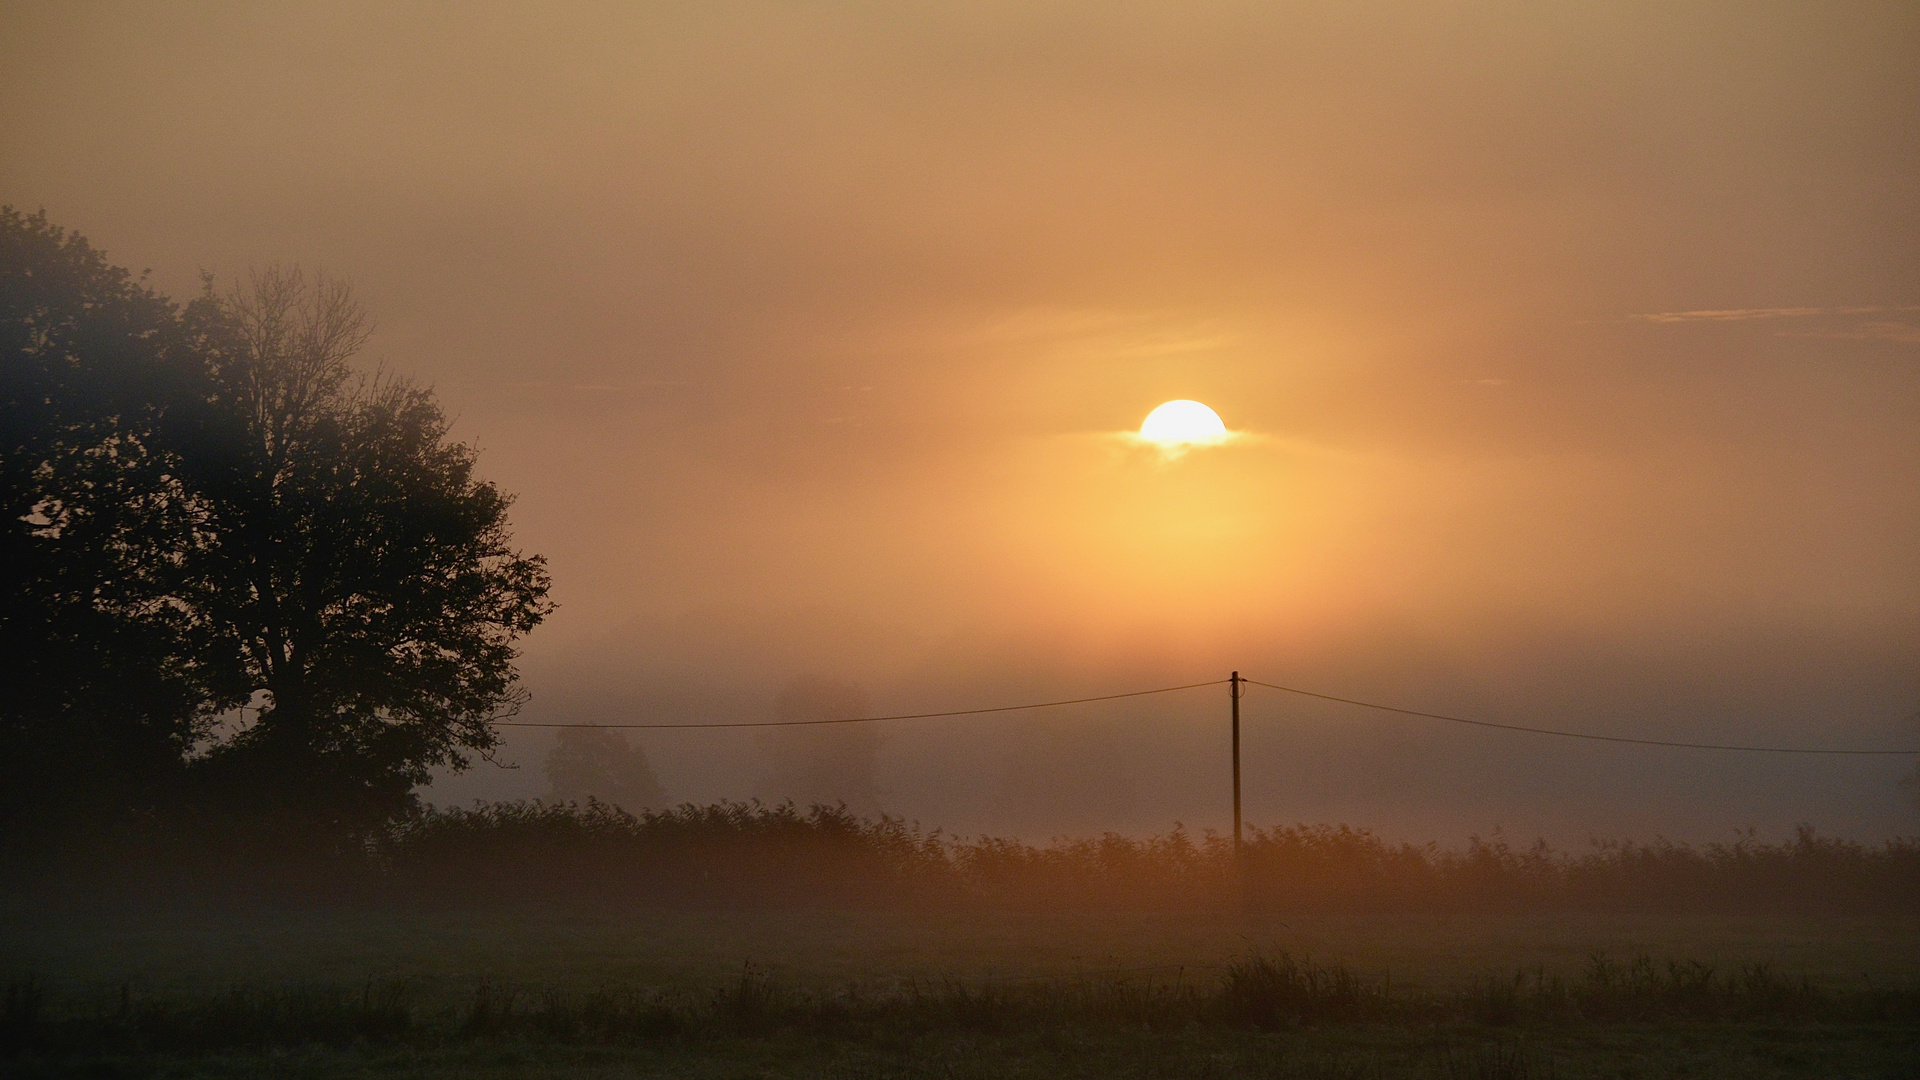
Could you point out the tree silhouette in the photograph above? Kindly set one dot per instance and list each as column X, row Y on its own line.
column 108, row 681
column 208, row 507
column 363, row 577
column 600, row 764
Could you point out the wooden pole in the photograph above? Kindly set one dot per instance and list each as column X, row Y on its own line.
column 1234, row 682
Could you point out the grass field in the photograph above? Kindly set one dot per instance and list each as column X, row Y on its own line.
column 873, row 994
column 187, row 950
column 1345, row 1053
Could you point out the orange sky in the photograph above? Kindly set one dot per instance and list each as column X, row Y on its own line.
column 802, row 332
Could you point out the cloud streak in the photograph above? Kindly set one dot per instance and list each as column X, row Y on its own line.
column 1873, row 331
column 1749, row 314
column 1172, row 451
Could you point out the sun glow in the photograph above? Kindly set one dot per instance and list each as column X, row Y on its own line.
column 1180, row 424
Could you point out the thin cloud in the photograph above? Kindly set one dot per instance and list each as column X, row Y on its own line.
column 592, row 387
column 1873, row 331
column 1174, row 451
column 1745, row 314
column 1105, row 332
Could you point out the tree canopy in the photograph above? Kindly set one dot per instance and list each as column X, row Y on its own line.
column 108, row 681
column 209, row 509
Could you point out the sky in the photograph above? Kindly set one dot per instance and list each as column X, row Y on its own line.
column 1573, row 352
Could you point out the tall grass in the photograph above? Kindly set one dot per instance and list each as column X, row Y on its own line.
column 734, row 853
column 1257, row 993
column 754, row 855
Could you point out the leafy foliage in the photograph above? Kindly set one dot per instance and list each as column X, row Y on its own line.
column 364, row 574
column 208, row 508
column 109, row 680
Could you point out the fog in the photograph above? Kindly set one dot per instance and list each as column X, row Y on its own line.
column 1575, row 348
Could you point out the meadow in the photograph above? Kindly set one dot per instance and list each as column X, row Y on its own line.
column 1073, row 974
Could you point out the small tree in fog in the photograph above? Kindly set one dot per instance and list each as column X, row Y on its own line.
column 1912, row 780
column 601, row 764
column 826, row 763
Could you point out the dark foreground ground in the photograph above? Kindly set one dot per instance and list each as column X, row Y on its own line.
column 1336, row 1053
column 552, row 992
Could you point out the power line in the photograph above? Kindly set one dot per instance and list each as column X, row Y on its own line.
column 1576, row 734
column 873, row 719
column 1217, row 682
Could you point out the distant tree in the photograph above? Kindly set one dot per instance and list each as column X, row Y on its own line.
column 1912, row 780
column 108, row 680
column 361, row 579
column 601, row 764
column 824, row 764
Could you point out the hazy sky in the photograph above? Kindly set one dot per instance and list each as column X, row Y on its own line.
column 1577, row 347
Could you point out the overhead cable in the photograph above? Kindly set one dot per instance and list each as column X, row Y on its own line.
column 873, row 719
column 1577, row 734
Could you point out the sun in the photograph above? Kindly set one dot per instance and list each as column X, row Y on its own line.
column 1181, row 424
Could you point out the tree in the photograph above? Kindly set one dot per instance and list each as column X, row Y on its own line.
column 824, row 764
column 600, row 764
column 362, row 577
column 1911, row 781
column 108, row 680
column 205, row 508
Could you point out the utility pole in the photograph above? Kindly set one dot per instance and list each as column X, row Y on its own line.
column 1234, row 682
